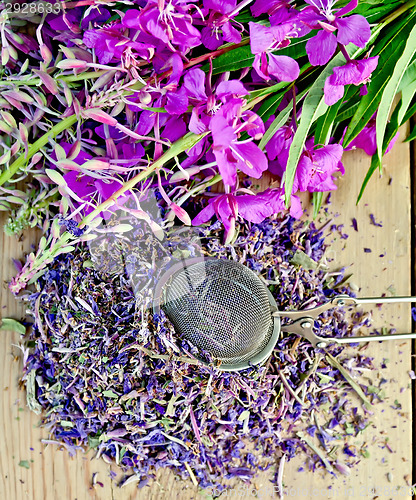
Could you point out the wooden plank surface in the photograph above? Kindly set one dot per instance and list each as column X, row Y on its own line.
column 52, row 474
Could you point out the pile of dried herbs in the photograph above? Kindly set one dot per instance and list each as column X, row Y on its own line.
column 108, row 375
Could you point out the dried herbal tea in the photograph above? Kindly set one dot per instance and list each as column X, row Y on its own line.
column 106, row 374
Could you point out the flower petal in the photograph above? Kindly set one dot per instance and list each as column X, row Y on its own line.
column 254, row 208
column 353, row 29
column 261, row 38
column 194, row 83
column 284, row 68
column 332, row 93
column 321, row 47
column 230, row 34
column 204, row 215
column 251, row 159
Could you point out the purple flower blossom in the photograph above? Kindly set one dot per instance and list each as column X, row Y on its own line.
column 277, row 149
column 354, row 72
column 93, row 190
column 366, row 139
column 316, row 167
column 110, row 43
column 218, row 27
column 166, row 21
column 231, row 154
column 320, row 15
column 264, row 40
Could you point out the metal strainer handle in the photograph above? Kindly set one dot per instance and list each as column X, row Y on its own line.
column 304, row 320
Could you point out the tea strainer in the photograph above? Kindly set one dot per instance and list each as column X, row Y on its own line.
column 225, row 309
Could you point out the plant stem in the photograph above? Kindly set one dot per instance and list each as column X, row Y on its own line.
column 34, row 148
column 68, row 79
column 177, row 147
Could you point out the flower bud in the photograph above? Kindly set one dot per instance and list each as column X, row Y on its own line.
column 180, row 213
column 46, row 54
column 183, row 175
column 72, row 64
column 48, row 81
column 99, row 115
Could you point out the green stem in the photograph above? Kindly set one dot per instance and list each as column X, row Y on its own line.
column 199, row 187
column 34, row 148
column 67, row 79
column 177, row 147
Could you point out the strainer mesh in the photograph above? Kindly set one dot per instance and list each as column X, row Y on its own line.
column 220, row 306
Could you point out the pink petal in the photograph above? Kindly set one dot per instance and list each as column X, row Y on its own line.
column 230, row 34
column 194, row 82
column 332, row 93
column 353, row 29
column 261, row 38
column 204, row 215
column 254, row 161
column 283, row 68
column 321, row 47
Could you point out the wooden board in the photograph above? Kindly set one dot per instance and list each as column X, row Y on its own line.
column 52, row 474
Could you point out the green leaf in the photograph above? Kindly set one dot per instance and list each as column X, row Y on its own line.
column 411, row 110
column 391, row 131
column 317, row 199
column 269, row 106
column 278, row 122
column 391, row 89
column 110, row 394
column 388, row 49
column 325, row 124
column 313, row 107
column 238, row 58
column 411, row 136
column 12, row 326
column 56, row 177
column 24, row 463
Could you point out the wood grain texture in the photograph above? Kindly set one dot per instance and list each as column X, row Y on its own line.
column 52, row 474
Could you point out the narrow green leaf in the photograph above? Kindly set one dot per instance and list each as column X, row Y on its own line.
column 411, row 136
column 12, row 326
column 411, row 110
column 238, row 58
column 313, row 107
column 278, row 122
column 325, row 124
column 269, row 106
column 391, row 89
column 408, row 89
column 389, row 49
column 317, row 199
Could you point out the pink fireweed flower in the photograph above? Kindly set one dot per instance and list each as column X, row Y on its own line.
column 321, row 15
column 110, row 43
column 366, row 139
column 218, row 27
column 264, row 40
column 230, row 153
column 167, row 21
column 317, row 166
column 352, row 73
